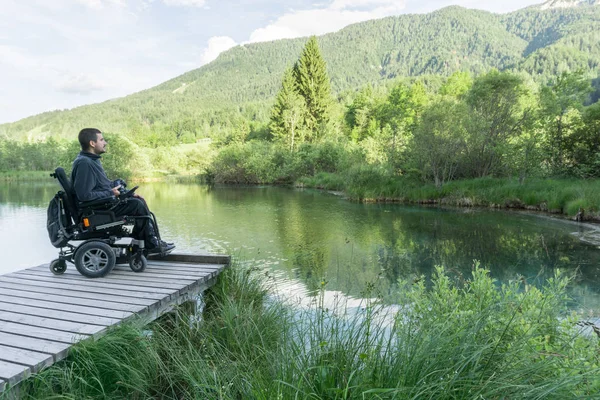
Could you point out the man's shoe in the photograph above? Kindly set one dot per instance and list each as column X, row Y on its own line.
column 161, row 248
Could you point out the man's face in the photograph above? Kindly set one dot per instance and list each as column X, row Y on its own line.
column 99, row 146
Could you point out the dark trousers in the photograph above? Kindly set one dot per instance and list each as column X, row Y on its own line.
column 134, row 207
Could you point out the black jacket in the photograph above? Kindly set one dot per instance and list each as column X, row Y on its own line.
column 89, row 179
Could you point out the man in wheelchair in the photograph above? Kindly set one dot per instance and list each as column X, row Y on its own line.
column 102, row 210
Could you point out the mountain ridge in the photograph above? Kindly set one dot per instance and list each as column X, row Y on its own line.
column 244, row 79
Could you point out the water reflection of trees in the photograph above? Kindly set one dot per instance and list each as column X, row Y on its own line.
column 316, row 236
column 28, row 193
column 353, row 244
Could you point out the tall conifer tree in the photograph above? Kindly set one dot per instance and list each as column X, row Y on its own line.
column 313, row 85
column 288, row 111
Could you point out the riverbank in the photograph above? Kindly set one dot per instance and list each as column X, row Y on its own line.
column 41, row 176
column 455, row 341
column 576, row 199
column 24, row 176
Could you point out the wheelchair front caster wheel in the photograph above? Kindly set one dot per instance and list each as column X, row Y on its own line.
column 58, row 266
column 138, row 263
column 94, row 259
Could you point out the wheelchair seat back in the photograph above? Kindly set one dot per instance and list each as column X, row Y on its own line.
column 68, row 196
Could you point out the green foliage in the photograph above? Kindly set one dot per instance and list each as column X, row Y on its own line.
column 584, row 145
column 561, row 104
column 117, row 161
column 32, row 156
column 496, row 115
column 463, row 338
column 439, row 144
column 457, row 85
column 287, row 117
column 244, row 163
column 313, row 85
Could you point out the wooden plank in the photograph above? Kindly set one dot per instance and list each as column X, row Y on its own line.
column 97, row 283
column 86, row 288
column 184, row 267
column 157, row 278
column 81, row 309
column 169, row 269
column 35, row 344
column 194, row 258
column 58, row 300
column 42, row 315
column 13, row 373
column 34, row 360
column 117, row 274
column 57, row 314
column 166, row 271
column 45, row 332
column 126, row 280
column 174, row 274
column 43, row 322
column 74, row 294
column 118, row 270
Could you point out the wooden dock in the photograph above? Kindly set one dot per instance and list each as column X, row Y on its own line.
column 42, row 315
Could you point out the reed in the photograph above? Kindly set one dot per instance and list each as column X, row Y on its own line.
column 451, row 339
column 565, row 196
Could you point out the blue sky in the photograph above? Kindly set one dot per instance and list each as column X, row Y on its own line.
column 58, row 54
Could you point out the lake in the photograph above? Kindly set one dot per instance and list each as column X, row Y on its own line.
column 302, row 237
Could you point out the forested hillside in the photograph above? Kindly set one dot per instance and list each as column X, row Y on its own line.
column 239, row 87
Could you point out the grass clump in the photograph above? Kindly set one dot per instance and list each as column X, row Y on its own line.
column 555, row 195
column 452, row 340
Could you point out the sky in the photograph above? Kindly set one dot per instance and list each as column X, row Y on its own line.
column 59, row 54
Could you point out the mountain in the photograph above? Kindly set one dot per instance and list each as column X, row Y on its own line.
column 240, row 84
column 567, row 4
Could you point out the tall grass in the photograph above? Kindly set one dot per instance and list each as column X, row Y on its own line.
column 469, row 340
column 366, row 183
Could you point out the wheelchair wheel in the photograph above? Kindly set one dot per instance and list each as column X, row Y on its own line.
column 137, row 263
column 94, row 259
column 58, row 266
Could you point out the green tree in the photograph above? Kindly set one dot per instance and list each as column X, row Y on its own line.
column 457, row 85
column 313, row 85
column 561, row 103
column 287, row 113
column 497, row 114
column 360, row 116
column 400, row 115
column 439, row 141
column 584, row 145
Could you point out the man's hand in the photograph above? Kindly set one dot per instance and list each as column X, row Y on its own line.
column 115, row 190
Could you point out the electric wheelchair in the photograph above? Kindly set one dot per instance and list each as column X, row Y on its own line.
column 96, row 226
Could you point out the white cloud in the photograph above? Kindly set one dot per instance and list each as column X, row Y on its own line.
column 185, row 3
column 331, row 18
column 216, row 45
column 101, row 3
column 344, row 4
column 80, row 84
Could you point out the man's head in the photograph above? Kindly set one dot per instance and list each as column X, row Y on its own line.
column 92, row 141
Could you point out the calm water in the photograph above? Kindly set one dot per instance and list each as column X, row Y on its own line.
column 302, row 236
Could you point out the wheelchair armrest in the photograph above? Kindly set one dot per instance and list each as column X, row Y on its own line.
column 98, row 204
